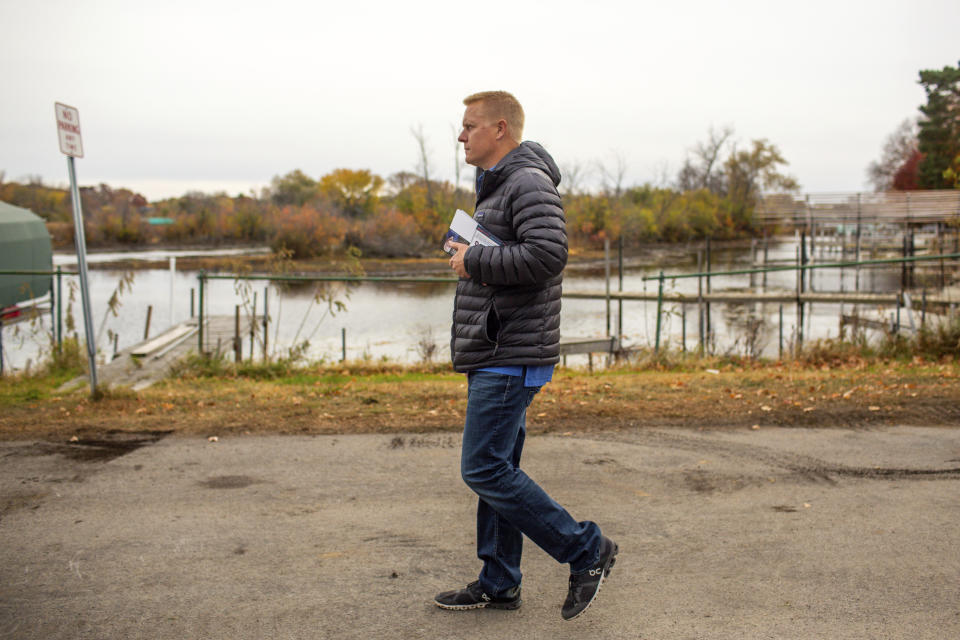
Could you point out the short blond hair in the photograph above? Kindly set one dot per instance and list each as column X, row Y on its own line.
column 501, row 105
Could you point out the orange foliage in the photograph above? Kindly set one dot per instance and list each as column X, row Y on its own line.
column 308, row 232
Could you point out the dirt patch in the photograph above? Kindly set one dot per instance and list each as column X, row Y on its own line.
column 229, row 482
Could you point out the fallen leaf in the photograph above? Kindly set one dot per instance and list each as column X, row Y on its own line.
column 808, row 409
column 755, row 427
column 213, row 439
column 765, row 408
column 874, row 408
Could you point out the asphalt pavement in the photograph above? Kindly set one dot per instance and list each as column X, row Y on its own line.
column 766, row 533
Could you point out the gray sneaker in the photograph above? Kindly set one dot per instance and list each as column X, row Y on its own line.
column 473, row 597
column 585, row 586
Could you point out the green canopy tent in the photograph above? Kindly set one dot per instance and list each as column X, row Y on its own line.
column 24, row 246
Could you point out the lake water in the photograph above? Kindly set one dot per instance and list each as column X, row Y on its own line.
column 395, row 321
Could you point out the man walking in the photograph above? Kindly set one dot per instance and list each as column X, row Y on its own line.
column 505, row 336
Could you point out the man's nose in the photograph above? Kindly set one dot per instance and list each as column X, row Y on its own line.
column 463, row 136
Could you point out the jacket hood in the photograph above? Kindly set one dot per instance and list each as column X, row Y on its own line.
column 533, row 154
column 528, row 154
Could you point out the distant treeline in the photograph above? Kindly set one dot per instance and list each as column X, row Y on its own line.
column 408, row 214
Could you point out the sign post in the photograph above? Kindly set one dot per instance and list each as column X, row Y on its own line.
column 71, row 145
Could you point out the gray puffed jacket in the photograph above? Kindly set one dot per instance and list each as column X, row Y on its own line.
column 508, row 311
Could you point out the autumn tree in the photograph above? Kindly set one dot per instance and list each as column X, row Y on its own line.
column 750, row 172
column 939, row 136
column 295, row 188
column 703, row 167
column 899, row 148
column 355, row 192
column 907, row 175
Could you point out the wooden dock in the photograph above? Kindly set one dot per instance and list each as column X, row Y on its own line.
column 144, row 363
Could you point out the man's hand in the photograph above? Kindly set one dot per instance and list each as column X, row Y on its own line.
column 456, row 260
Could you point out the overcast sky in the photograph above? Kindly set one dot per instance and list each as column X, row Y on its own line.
column 180, row 95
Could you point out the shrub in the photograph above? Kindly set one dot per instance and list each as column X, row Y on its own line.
column 390, row 233
column 306, row 232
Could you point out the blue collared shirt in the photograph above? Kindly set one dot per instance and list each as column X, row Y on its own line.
column 535, row 376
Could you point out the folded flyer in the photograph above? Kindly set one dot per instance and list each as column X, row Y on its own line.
column 466, row 230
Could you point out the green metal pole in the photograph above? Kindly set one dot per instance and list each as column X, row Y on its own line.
column 656, row 348
column 200, row 277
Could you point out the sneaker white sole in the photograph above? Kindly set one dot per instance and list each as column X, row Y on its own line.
column 606, row 572
column 479, row 605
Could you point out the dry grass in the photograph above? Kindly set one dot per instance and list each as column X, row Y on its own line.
column 364, row 399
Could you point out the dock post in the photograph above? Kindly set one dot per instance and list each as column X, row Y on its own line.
column 709, row 332
column 146, row 329
column 899, row 304
column 200, row 313
column 683, row 329
column 620, row 289
column 266, row 320
column 237, row 353
column 799, row 344
column 656, row 348
column 903, row 264
column 781, row 332
column 943, row 281
column 766, row 257
column 857, row 256
column 700, row 313
column 253, row 325
column 606, row 271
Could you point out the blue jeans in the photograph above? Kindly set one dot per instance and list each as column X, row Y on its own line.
column 511, row 504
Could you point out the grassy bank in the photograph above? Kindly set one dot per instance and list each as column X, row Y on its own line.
column 219, row 399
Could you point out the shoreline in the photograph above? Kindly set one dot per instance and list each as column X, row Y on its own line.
column 260, row 257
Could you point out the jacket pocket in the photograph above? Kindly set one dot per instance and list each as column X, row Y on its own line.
column 491, row 324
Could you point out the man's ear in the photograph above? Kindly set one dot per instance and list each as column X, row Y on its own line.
column 501, row 129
